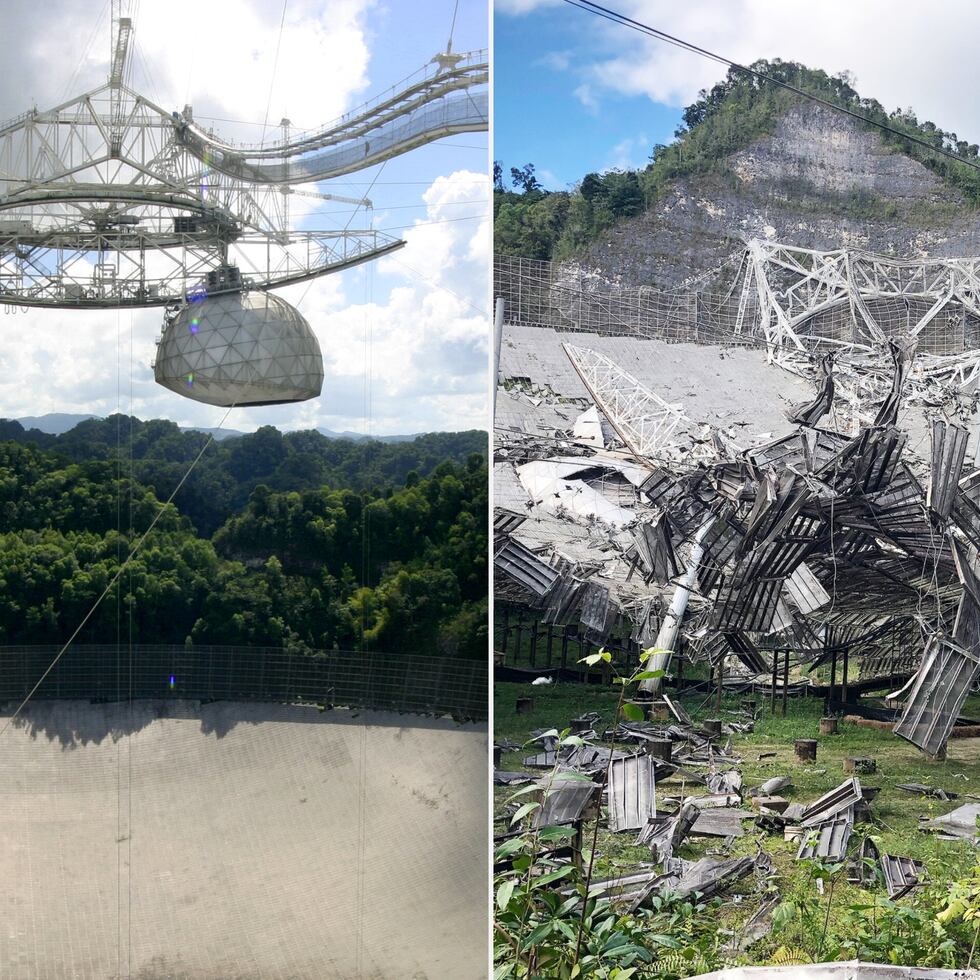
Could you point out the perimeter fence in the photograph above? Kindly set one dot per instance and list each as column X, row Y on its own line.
column 540, row 293
column 334, row 678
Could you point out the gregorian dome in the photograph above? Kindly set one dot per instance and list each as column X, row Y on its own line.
column 235, row 348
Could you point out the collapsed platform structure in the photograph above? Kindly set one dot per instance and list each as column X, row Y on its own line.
column 780, row 466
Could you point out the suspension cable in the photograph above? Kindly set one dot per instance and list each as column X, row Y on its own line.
column 624, row 21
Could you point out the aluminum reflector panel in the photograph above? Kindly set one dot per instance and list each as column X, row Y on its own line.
column 947, row 674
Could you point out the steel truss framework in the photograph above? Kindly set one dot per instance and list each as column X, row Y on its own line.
column 109, row 200
column 641, row 418
column 794, row 285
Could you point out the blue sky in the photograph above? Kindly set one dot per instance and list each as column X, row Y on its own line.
column 576, row 93
column 544, row 55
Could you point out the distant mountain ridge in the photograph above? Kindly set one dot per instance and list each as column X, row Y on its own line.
column 159, row 454
column 54, row 423
column 58, row 423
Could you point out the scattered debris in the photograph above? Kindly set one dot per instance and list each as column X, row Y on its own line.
column 720, row 822
column 865, row 766
column 564, row 800
column 775, row 804
column 828, row 839
column 665, row 834
column 819, row 542
column 503, row 777
column 844, row 797
column 958, row 824
column 772, row 786
column 841, row 970
column 632, row 793
column 946, row 676
column 933, row 791
column 757, row 927
column 865, row 865
column 902, row 874
column 725, row 782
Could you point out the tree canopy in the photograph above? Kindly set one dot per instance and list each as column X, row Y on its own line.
column 311, row 559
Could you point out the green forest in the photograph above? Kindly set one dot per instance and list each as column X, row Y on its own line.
column 293, row 540
column 532, row 222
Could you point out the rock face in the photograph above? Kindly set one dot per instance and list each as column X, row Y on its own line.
column 820, row 180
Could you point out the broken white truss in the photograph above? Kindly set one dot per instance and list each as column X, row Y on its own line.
column 642, row 419
column 795, row 284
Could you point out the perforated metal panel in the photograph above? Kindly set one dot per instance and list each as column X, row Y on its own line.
column 947, row 674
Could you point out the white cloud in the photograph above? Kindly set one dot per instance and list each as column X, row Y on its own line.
column 629, row 153
column 548, row 178
column 423, row 319
column 878, row 40
column 556, row 60
column 426, row 348
column 218, row 57
column 517, row 7
column 587, row 97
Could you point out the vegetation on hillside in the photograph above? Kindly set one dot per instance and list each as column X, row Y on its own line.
column 306, row 562
column 532, row 222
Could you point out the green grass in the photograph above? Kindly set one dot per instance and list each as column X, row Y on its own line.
column 895, row 813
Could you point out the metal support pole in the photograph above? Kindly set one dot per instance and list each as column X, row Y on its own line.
column 833, row 679
column 843, row 689
column 498, row 333
column 564, row 646
column 721, row 681
column 775, row 674
column 671, row 625
column 550, row 643
column 785, row 679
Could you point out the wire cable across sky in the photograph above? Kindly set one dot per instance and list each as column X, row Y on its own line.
column 623, row 20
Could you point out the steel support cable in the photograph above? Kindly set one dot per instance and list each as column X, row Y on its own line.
column 129, row 679
column 275, row 69
column 436, row 285
column 347, row 226
column 83, row 58
column 132, row 554
column 119, row 744
column 365, row 582
column 624, row 21
column 452, row 27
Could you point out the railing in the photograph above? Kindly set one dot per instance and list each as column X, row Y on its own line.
column 372, row 681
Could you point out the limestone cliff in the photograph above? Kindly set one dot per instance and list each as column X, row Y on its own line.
column 819, row 180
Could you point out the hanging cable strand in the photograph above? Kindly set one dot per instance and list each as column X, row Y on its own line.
column 275, row 69
column 617, row 18
column 129, row 678
column 452, row 28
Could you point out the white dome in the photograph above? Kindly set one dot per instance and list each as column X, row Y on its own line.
column 240, row 349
